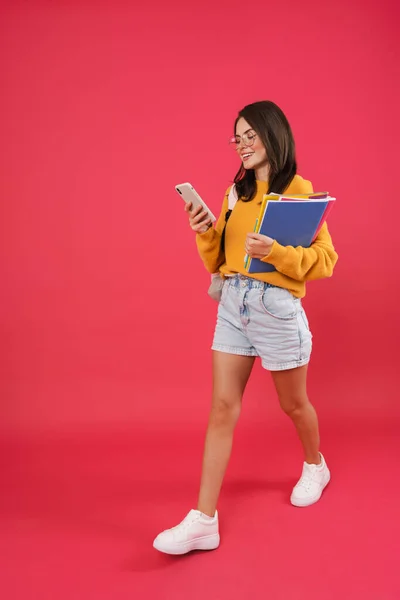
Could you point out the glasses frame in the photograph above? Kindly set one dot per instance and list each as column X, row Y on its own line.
column 233, row 141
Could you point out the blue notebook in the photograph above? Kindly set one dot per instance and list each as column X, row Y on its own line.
column 290, row 223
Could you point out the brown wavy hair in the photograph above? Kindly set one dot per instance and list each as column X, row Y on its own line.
column 274, row 131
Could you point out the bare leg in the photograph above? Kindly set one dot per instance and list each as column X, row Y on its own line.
column 291, row 386
column 230, row 376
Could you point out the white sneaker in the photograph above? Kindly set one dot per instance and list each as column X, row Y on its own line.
column 309, row 488
column 196, row 532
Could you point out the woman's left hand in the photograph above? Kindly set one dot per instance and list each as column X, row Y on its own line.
column 257, row 245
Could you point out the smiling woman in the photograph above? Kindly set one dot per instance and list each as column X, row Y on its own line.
column 258, row 316
column 264, row 140
column 248, row 147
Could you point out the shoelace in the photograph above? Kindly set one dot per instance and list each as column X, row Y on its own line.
column 307, row 478
column 186, row 522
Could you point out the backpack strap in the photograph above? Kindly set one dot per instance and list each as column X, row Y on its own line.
column 232, row 199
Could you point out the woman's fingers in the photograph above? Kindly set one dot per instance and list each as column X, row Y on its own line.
column 202, row 227
column 193, row 211
column 200, row 217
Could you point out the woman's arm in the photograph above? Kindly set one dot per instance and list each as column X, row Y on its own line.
column 209, row 243
column 305, row 264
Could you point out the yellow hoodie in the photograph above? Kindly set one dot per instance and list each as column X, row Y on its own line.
column 294, row 266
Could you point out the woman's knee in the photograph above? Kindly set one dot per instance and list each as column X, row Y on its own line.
column 294, row 404
column 225, row 409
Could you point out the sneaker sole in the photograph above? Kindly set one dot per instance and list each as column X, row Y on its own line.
column 304, row 503
column 210, row 542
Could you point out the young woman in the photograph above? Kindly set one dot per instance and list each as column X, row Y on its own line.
column 258, row 315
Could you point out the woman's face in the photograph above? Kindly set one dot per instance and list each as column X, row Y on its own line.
column 249, row 146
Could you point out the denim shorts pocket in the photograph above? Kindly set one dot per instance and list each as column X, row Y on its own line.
column 279, row 303
column 224, row 292
column 305, row 319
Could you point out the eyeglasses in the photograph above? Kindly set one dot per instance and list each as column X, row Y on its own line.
column 247, row 139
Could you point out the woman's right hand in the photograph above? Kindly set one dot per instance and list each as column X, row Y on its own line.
column 199, row 219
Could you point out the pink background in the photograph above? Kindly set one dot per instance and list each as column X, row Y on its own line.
column 105, row 106
column 103, row 307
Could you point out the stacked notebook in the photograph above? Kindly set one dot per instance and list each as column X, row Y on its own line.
column 291, row 221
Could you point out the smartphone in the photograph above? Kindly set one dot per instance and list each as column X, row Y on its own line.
column 189, row 194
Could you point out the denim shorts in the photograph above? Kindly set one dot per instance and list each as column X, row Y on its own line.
column 259, row 319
